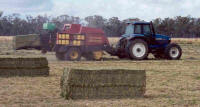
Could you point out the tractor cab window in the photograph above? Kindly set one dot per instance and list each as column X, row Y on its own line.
column 129, row 29
column 146, row 29
column 138, row 29
column 67, row 27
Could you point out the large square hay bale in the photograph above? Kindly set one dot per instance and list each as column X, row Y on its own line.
column 26, row 41
column 18, row 66
column 102, row 83
column 6, row 44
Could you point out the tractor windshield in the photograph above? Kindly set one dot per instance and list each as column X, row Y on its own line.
column 129, row 29
column 66, row 27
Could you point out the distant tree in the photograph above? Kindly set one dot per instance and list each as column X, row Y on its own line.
column 65, row 19
column 113, row 27
column 95, row 21
column 178, row 26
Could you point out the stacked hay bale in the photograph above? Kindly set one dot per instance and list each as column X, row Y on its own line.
column 105, row 83
column 23, row 67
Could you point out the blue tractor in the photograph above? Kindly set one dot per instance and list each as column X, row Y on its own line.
column 140, row 39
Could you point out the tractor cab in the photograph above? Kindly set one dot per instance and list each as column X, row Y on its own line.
column 146, row 31
column 144, row 28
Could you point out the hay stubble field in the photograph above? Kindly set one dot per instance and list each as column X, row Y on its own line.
column 169, row 83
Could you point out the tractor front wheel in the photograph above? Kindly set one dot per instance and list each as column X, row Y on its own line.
column 138, row 49
column 173, row 52
column 73, row 54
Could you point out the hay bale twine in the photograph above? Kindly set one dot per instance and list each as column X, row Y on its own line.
column 23, row 66
column 102, row 84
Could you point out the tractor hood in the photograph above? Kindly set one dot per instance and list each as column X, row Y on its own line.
column 157, row 36
column 162, row 37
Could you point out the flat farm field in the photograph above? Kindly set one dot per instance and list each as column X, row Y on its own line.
column 169, row 83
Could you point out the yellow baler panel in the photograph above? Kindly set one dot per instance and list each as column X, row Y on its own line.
column 65, row 42
column 59, row 41
column 76, row 43
column 82, row 37
column 66, row 36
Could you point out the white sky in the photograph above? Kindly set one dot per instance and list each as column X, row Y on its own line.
column 143, row 9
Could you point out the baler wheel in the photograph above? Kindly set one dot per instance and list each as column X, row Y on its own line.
column 97, row 55
column 73, row 54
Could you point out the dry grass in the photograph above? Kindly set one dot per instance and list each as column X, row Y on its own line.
column 169, row 83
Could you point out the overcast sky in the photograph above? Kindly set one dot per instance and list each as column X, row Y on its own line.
column 143, row 9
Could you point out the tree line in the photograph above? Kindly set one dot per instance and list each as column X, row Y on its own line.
column 175, row 27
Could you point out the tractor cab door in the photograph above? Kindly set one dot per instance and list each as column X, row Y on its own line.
column 149, row 33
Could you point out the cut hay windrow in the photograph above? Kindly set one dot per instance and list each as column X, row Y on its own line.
column 23, row 67
column 103, row 83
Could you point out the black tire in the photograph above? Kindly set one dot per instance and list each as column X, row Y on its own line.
column 174, row 54
column 73, row 54
column 144, row 54
column 60, row 56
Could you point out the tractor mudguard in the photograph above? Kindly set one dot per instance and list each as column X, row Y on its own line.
column 138, row 37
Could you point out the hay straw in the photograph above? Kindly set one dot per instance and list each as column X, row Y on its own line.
column 103, row 83
column 23, row 67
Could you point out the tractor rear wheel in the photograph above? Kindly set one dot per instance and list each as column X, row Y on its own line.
column 60, row 56
column 173, row 52
column 73, row 54
column 138, row 49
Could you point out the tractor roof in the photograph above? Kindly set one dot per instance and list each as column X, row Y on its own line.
column 138, row 22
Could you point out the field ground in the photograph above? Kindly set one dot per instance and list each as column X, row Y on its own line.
column 169, row 83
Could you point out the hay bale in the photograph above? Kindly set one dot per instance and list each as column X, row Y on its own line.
column 104, row 83
column 6, row 44
column 25, row 41
column 22, row 62
column 23, row 67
